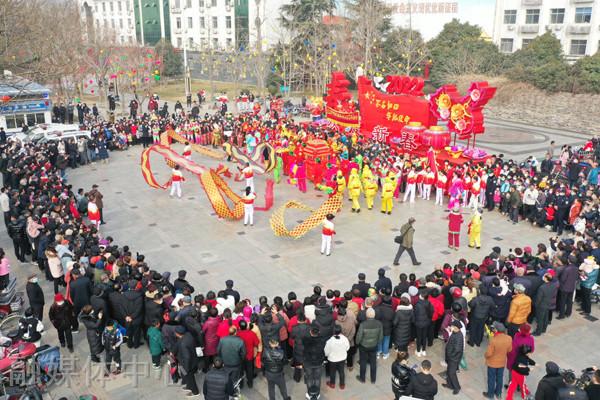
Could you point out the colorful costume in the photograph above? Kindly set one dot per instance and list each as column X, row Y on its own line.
column 370, row 187
column 440, row 185
column 475, row 230
column 176, row 179
column 411, row 183
column 387, row 194
column 301, row 176
column 248, row 201
column 455, row 219
column 326, row 235
column 278, row 169
column 341, row 183
column 354, row 189
column 249, row 175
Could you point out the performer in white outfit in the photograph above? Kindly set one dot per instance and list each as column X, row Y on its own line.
column 440, row 185
column 176, row 179
column 327, row 234
column 411, row 183
column 249, row 175
column 248, row 201
column 187, row 151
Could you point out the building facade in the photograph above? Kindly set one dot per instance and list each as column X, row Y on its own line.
column 112, row 20
column 152, row 21
column 576, row 23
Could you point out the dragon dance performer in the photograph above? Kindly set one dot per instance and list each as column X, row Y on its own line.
column 411, row 183
column 370, row 187
column 248, row 201
column 176, row 179
column 327, row 234
column 475, row 229
column 248, row 173
column 341, row 182
column 387, row 194
column 354, row 189
column 187, row 151
column 440, row 185
column 278, row 169
column 428, row 182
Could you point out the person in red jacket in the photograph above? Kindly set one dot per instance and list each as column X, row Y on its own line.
column 455, row 220
column 251, row 342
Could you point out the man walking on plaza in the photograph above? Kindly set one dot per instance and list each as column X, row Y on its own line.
column 495, row 358
column 370, row 333
column 274, row 359
column 405, row 241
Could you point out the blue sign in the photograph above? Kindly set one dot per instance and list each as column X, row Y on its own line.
column 18, row 108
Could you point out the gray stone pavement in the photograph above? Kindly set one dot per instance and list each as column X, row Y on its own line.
column 182, row 233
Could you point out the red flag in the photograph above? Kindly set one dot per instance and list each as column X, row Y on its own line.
column 432, row 163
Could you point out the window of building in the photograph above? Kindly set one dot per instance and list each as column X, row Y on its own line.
column 178, row 42
column 96, row 7
column 215, row 22
column 578, row 47
column 112, row 23
column 122, row 39
column 121, row 23
column 201, row 3
column 129, row 24
column 105, row 24
column 119, row 5
column 98, row 23
column 227, row 3
column 202, row 23
column 228, row 22
column 510, row 17
column 110, row 5
column 525, row 43
column 213, row 3
column 178, row 23
column 188, row 3
column 583, row 15
column 103, row 7
column 190, row 43
column 215, row 43
column 190, row 22
column 506, row 45
column 177, row 4
column 229, row 43
column 532, row 16
column 557, row 15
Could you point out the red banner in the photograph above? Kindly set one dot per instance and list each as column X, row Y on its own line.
column 383, row 115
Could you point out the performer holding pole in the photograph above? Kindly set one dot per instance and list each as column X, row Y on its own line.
column 176, row 179
column 248, row 201
column 327, row 234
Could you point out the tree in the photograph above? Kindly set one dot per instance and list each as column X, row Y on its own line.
column 460, row 49
column 404, row 52
column 586, row 74
column 371, row 23
column 542, row 64
column 172, row 61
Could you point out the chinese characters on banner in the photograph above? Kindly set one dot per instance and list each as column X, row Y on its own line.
column 427, row 8
column 380, row 133
column 408, row 140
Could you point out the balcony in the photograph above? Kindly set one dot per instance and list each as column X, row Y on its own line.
column 579, row 29
column 530, row 3
column 529, row 28
column 554, row 27
column 581, row 1
column 175, row 10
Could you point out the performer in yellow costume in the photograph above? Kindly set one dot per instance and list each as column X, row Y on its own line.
column 367, row 175
column 475, row 229
column 387, row 194
column 341, row 183
column 354, row 189
column 370, row 187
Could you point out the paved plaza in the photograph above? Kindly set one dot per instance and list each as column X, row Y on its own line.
column 185, row 233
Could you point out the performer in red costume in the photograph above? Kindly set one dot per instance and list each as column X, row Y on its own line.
column 455, row 220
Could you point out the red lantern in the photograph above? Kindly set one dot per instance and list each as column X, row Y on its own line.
column 5, row 99
column 436, row 136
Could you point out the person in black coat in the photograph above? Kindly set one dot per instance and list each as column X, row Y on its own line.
column 362, row 286
column 185, row 353
column 229, row 291
column 133, row 310
column 273, row 358
column 401, row 375
column 93, row 326
column 180, row 282
column 217, row 383
column 423, row 312
column 567, row 278
column 35, row 295
column 16, row 231
column 423, row 385
column 153, row 310
column 324, row 319
column 298, row 334
column 481, row 307
column 550, row 384
column 544, row 303
column 385, row 314
column 383, row 282
column 61, row 315
column 453, row 355
column 402, row 324
column 80, row 289
column 314, row 355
